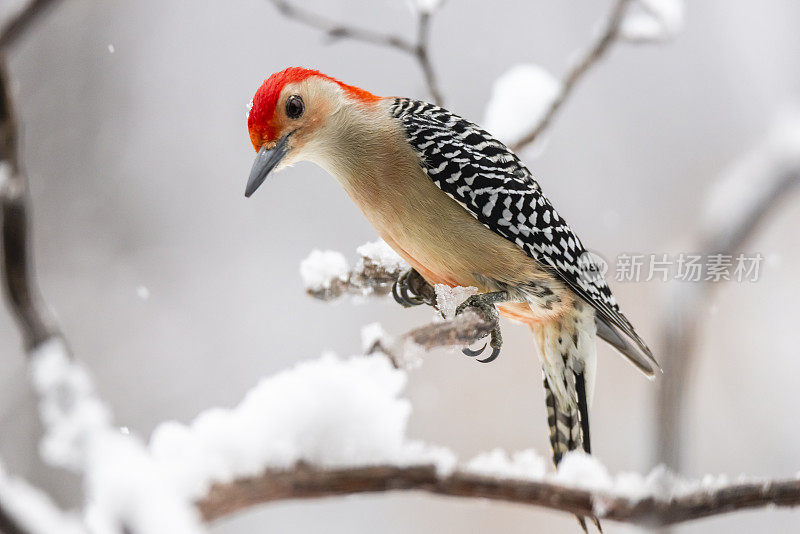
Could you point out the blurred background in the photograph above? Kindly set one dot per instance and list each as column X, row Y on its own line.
column 179, row 294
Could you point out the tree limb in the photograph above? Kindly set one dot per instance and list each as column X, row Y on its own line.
column 419, row 49
column 21, row 291
column 589, row 58
column 305, row 481
column 684, row 308
column 20, row 23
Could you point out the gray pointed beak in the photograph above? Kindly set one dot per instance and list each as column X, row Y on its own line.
column 266, row 160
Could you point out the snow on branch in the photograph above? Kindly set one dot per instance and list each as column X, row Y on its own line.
column 743, row 198
column 595, row 52
column 306, row 481
column 327, row 276
column 24, row 508
column 336, row 426
column 418, row 49
column 649, row 21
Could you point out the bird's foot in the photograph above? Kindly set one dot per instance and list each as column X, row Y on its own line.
column 402, row 292
column 486, row 303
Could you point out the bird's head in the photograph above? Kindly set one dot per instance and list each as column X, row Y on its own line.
column 289, row 116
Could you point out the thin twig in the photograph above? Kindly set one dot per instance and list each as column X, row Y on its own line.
column 419, row 49
column 305, row 482
column 595, row 52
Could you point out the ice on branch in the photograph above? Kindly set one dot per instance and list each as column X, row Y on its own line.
column 329, row 412
column 519, row 100
column 326, row 275
column 124, row 488
column 449, row 298
column 33, row 510
column 653, row 21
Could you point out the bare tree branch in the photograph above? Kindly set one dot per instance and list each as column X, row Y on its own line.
column 419, row 49
column 23, row 20
column 20, row 286
column 304, row 482
column 684, row 311
column 589, row 58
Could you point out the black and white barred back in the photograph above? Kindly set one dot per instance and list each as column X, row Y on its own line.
column 491, row 183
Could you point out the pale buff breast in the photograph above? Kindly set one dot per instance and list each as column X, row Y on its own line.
column 431, row 231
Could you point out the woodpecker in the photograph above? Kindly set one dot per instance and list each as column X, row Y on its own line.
column 462, row 210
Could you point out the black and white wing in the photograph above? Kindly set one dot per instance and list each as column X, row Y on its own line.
column 488, row 180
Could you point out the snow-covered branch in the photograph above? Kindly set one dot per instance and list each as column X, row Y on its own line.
column 738, row 205
column 306, row 481
column 418, row 49
column 327, row 276
column 542, row 96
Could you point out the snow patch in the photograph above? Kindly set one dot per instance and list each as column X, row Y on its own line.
column 379, row 253
column 653, row 21
column 123, row 486
column 519, row 100
column 321, row 268
column 523, row 465
column 33, row 510
column 142, row 292
column 330, row 412
column 425, row 6
column 582, row 470
column 373, row 334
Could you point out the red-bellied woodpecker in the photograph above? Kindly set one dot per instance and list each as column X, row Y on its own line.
column 463, row 210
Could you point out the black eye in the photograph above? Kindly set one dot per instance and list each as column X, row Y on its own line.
column 294, row 107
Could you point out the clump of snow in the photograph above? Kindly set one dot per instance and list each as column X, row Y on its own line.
column 523, row 465
column 519, row 100
column 5, row 172
column 373, row 335
column 69, row 409
column 142, row 292
column 743, row 185
column 329, row 412
column 322, row 267
column 425, row 6
column 580, row 469
column 123, row 485
column 653, row 20
column 33, row 510
column 111, row 49
column 449, row 298
column 379, row 253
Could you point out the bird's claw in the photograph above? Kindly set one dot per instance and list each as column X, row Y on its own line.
column 496, row 340
column 472, row 353
column 401, row 291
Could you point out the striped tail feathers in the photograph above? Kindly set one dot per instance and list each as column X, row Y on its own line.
column 569, row 429
column 568, row 353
